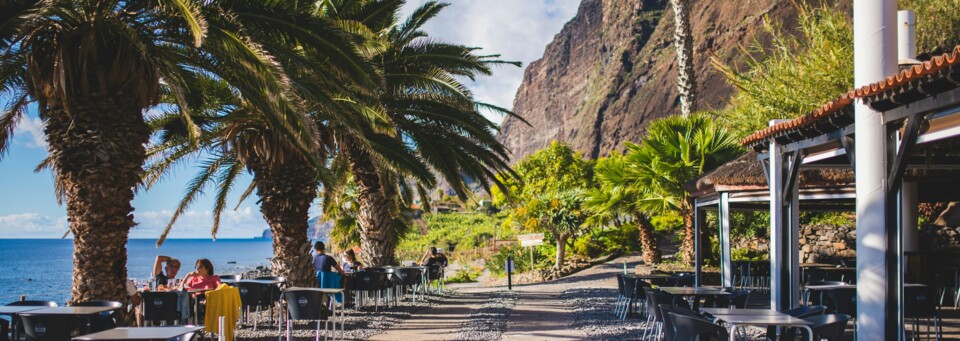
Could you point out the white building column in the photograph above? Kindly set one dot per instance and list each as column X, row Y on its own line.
column 875, row 57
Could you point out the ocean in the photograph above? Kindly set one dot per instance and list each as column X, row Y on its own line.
column 42, row 269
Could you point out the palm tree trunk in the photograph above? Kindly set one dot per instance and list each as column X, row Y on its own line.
column 376, row 212
column 683, row 41
column 286, row 192
column 687, row 247
column 651, row 250
column 98, row 154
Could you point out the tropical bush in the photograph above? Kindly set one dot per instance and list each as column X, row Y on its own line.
column 599, row 242
column 454, row 232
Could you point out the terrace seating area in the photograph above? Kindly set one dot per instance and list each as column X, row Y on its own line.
column 262, row 302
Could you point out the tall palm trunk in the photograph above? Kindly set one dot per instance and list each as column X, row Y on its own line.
column 683, row 41
column 286, row 192
column 651, row 251
column 98, row 154
column 377, row 210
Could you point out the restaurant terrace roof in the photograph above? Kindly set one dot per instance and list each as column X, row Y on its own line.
column 939, row 74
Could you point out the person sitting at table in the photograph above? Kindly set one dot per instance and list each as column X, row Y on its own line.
column 350, row 262
column 323, row 262
column 203, row 278
column 164, row 279
column 434, row 258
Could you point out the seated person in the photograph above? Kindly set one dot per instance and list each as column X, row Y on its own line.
column 323, row 262
column 434, row 258
column 203, row 278
column 350, row 262
column 164, row 279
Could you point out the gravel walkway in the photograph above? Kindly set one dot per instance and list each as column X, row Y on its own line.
column 490, row 320
column 594, row 315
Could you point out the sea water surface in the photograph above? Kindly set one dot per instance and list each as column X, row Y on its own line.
column 42, row 269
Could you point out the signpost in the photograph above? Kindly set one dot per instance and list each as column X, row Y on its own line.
column 530, row 240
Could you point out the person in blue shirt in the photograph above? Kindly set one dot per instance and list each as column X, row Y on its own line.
column 325, row 265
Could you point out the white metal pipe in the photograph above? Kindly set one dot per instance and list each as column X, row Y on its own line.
column 875, row 57
column 906, row 36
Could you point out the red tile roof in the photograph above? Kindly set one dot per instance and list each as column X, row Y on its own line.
column 900, row 79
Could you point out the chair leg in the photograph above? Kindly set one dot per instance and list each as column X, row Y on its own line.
column 288, row 330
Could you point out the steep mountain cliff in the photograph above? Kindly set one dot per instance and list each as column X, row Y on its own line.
column 612, row 69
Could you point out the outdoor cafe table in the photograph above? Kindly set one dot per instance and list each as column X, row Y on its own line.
column 13, row 310
column 695, row 293
column 78, row 311
column 739, row 311
column 655, row 279
column 258, row 281
column 821, row 288
column 778, row 319
column 140, row 333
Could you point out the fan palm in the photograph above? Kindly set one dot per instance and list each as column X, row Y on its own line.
column 616, row 198
column 677, row 150
column 93, row 68
column 431, row 115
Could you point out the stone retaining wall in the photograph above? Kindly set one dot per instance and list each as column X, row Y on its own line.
column 826, row 243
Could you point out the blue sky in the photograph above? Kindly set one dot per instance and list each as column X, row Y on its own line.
column 519, row 30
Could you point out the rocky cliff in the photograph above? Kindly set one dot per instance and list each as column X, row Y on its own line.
column 613, row 68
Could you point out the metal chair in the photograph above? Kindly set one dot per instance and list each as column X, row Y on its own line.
column 50, row 327
column 275, row 291
column 368, row 282
column 842, row 301
column 689, row 328
column 620, row 295
column 669, row 329
column 830, row 327
column 799, row 312
column 629, row 295
column 308, row 305
column 105, row 320
column 254, row 295
column 161, row 306
column 655, row 299
column 435, row 276
column 920, row 302
column 410, row 278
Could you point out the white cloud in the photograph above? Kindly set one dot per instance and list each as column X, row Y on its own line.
column 518, row 30
column 30, row 133
column 245, row 222
column 32, row 225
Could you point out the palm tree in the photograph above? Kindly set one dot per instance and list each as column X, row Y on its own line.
column 93, row 68
column 430, row 115
column 683, row 41
column 675, row 151
column 616, row 197
column 322, row 63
